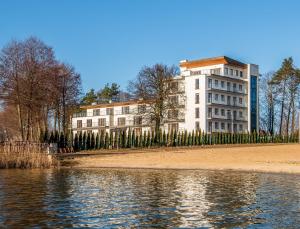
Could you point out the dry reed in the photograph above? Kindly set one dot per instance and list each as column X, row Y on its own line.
column 25, row 156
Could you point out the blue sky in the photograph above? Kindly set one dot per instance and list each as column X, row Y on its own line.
column 109, row 41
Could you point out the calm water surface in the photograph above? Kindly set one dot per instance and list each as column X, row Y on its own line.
column 106, row 198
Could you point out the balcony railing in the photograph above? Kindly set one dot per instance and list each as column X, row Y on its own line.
column 243, row 92
column 114, row 124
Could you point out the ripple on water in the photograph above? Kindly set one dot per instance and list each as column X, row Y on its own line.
column 111, row 198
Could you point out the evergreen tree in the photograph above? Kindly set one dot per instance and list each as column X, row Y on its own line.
column 84, row 141
column 129, row 139
column 93, row 141
column 88, row 141
column 164, row 141
column 133, row 144
column 111, row 140
column 61, row 140
column 148, row 139
column 76, row 143
column 193, row 138
column 80, row 144
column 56, row 137
column 97, row 141
column 106, row 141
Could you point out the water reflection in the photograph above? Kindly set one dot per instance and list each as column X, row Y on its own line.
column 143, row 198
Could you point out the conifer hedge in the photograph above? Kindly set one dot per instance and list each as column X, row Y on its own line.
column 130, row 139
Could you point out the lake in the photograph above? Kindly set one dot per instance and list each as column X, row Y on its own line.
column 112, row 198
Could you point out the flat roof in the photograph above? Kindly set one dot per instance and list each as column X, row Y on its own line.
column 212, row 61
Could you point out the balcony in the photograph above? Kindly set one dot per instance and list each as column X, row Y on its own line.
column 226, row 90
column 114, row 124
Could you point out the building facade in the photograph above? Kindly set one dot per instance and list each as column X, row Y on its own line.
column 219, row 95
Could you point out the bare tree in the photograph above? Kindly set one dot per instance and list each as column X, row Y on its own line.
column 35, row 83
column 267, row 103
column 156, row 85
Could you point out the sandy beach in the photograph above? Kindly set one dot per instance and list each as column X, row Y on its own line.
column 266, row 158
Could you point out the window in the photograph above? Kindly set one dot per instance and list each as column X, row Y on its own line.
column 174, row 86
column 197, row 112
column 216, row 125
column 121, row 121
column 241, row 74
column 216, row 111
column 79, row 123
column 228, row 114
column 222, row 112
column 141, row 108
column 137, row 120
column 109, row 111
column 125, row 110
column 209, row 97
column 234, row 115
column 240, row 87
column 231, row 72
column 228, row 86
column 197, row 98
column 222, row 125
column 216, row 71
column 234, row 87
column 241, row 100
column 228, row 100
column 226, row 71
column 89, row 123
column 216, row 83
column 236, row 73
column 173, row 126
column 241, row 127
column 174, row 100
column 223, row 98
column 216, row 97
column 234, row 101
column 228, row 127
column 234, row 127
column 241, row 114
column 209, row 112
column 197, row 125
column 222, row 84
column 196, row 83
column 253, row 102
column 209, row 83
column 172, row 114
column 96, row 112
column 101, row 121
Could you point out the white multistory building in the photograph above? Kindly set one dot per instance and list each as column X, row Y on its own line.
column 216, row 95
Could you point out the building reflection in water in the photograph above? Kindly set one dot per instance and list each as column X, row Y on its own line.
column 151, row 198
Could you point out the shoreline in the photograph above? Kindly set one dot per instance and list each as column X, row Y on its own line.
column 275, row 158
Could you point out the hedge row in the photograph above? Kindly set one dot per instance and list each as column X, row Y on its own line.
column 104, row 140
column 61, row 139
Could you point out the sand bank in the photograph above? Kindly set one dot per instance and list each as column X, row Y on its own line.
column 266, row 158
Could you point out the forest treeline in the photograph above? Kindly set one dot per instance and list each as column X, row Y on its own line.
column 39, row 93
